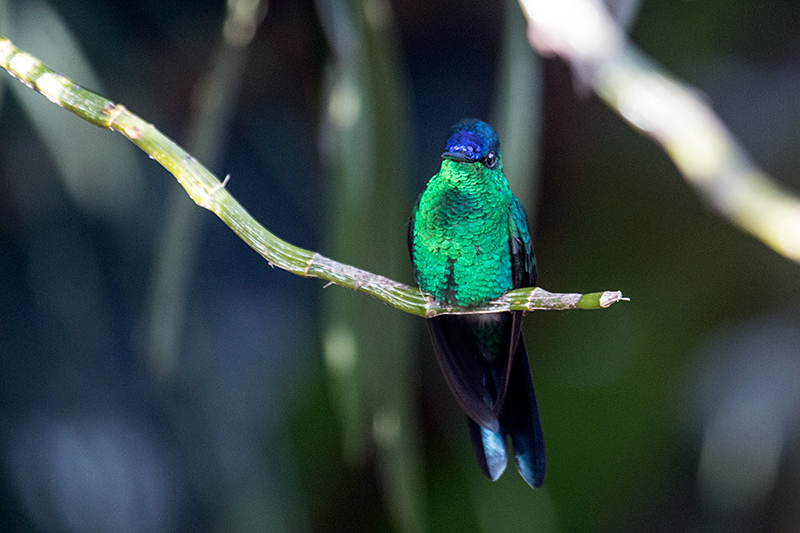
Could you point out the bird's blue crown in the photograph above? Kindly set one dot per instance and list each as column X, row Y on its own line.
column 473, row 138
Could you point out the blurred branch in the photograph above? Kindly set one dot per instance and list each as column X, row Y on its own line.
column 517, row 116
column 208, row 192
column 679, row 119
column 105, row 180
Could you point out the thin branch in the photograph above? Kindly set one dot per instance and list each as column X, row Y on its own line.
column 208, row 192
column 674, row 114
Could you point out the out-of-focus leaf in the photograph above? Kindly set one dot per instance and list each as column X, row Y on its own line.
column 366, row 343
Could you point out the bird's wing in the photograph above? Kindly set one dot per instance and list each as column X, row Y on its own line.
column 523, row 260
column 519, row 417
column 523, row 274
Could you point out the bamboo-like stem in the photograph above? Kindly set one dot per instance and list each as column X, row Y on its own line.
column 208, row 192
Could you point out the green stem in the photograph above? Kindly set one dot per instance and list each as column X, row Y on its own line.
column 208, row 192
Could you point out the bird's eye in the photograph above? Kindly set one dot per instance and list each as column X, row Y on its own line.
column 490, row 160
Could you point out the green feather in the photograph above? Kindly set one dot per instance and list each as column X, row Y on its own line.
column 461, row 228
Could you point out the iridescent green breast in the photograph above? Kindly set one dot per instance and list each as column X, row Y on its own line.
column 461, row 235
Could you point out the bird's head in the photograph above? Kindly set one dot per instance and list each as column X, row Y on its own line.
column 473, row 141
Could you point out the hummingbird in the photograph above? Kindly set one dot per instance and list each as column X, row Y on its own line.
column 469, row 243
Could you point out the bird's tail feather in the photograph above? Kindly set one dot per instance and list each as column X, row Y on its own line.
column 490, row 449
column 520, row 420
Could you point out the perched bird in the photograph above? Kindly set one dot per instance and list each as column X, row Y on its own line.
column 469, row 242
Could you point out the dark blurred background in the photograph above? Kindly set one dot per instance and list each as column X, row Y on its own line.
column 157, row 375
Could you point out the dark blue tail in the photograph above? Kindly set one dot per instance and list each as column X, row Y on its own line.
column 519, row 419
